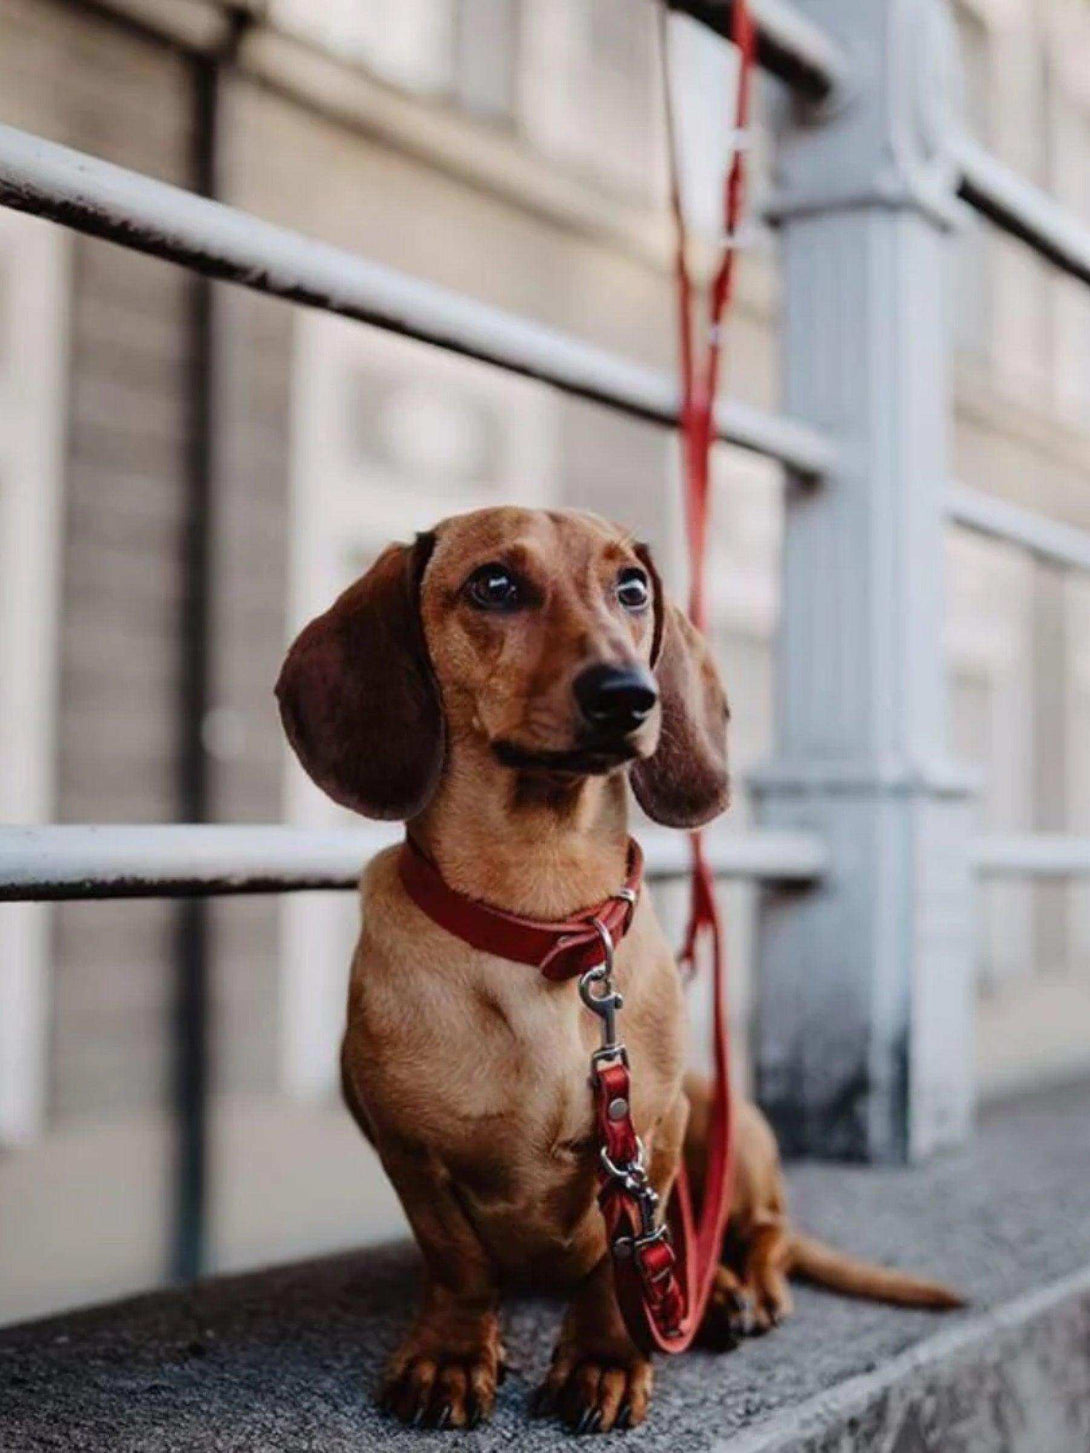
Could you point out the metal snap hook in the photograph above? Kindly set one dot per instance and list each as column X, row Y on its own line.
column 606, row 1003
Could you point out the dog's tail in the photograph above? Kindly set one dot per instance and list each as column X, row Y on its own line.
column 827, row 1267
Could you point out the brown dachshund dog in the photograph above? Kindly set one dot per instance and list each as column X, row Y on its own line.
column 496, row 685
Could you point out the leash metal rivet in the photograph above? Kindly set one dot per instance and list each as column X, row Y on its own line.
column 618, row 1108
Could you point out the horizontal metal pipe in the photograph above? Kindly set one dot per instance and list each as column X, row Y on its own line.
column 1047, row 539
column 179, row 861
column 770, row 854
column 66, row 862
column 1032, row 855
column 1024, row 210
column 789, row 45
column 107, row 201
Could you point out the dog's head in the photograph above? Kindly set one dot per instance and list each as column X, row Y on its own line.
column 545, row 635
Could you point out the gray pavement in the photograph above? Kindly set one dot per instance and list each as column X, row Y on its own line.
column 286, row 1359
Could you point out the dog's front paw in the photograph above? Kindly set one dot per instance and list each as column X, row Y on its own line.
column 428, row 1385
column 595, row 1389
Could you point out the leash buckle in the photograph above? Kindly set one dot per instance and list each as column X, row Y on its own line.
column 626, row 1246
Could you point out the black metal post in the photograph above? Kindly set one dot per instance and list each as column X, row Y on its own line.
column 191, row 1026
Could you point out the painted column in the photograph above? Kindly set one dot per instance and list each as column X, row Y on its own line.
column 865, row 1025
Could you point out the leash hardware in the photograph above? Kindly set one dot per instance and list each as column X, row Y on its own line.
column 626, row 1246
column 605, row 1004
column 632, row 1176
column 608, row 1054
column 629, row 897
column 631, row 1173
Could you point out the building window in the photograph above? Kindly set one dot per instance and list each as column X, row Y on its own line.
column 587, row 84
column 486, row 49
column 464, row 50
column 409, row 43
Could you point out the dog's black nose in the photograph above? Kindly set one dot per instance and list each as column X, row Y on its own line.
column 616, row 698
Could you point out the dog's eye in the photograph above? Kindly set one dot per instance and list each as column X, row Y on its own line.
column 493, row 587
column 633, row 590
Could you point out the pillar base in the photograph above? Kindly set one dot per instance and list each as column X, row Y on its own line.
column 865, row 983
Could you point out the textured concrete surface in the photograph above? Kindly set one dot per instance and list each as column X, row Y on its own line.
column 286, row 1359
column 1013, row 1379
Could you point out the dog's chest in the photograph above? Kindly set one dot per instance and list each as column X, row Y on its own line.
column 472, row 1059
column 532, row 1041
column 484, row 1066
column 522, row 1148
column 529, row 1109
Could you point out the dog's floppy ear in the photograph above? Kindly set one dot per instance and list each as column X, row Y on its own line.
column 358, row 700
column 685, row 783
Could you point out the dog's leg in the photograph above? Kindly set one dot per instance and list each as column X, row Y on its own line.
column 766, row 1275
column 750, row 1294
column 445, row 1373
column 598, row 1378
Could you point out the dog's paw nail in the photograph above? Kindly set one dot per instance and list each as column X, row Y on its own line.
column 583, row 1425
column 624, row 1418
column 475, row 1416
column 446, row 1412
column 418, row 1417
column 595, row 1424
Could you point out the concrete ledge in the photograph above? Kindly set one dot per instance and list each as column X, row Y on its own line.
column 1015, row 1377
column 286, row 1359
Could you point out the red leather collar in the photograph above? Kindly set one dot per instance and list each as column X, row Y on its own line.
column 560, row 950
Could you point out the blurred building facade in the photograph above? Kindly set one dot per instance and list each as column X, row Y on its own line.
column 510, row 149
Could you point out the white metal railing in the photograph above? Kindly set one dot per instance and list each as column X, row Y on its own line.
column 149, row 216
column 1028, row 854
column 109, row 861
column 1032, row 855
column 1047, row 539
column 104, row 200
column 1023, row 210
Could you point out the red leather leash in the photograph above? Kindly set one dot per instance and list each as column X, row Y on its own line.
column 663, row 1270
column 664, row 1274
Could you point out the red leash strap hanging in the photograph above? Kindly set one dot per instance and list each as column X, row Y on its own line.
column 664, row 1273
